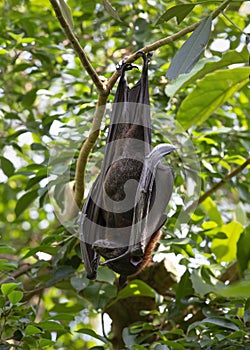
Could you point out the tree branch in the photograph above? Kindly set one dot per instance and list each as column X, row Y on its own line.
column 216, row 187
column 223, row 181
column 101, row 88
column 86, row 149
column 25, row 268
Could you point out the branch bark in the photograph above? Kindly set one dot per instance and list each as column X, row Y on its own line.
column 86, row 149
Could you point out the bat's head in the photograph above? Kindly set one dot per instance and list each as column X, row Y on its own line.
column 127, row 264
column 119, row 259
column 123, row 260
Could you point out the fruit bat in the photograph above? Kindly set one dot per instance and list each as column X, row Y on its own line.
column 125, row 208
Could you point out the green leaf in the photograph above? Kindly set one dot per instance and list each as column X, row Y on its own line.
column 7, row 288
column 24, row 202
column 31, row 330
column 6, row 265
column 5, row 249
column 68, row 317
column 29, row 98
column 35, row 146
column 6, row 166
column 222, row 322
column 136, row 288
column 42, row 248
column 104, row 274
column 211, row 209
column 200, row 286
column 3, row 52
column 240, row 214
column 243, row 249
column 190, row 52
column 216, row 321
column 51, row 326
column 99, row 294
column 109, row 8
column 209, row 94
column 225, row 249
column 15, row 296
column 78, row 283
column 174, row 345
column 178, row 11
column 161, row 347
column 11, row 115
column 128, row 337
column 66, row 11
column 184, row 288
column 184, row 79
column 16, row 37
column 204, row 67
column 34, row 180
column 93, row 334
column 46, row 342
column 61, row 273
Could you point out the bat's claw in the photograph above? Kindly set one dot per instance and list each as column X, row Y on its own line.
column 122, row 66
column 146, row 57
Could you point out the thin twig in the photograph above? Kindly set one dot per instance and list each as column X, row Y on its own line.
column 223, row 181
column 21, row 271
column 216, row 187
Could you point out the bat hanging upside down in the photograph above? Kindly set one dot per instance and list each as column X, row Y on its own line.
column 125, row 208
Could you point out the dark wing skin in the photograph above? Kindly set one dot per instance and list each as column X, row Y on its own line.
column 153, row 194
column 126, row 205
column 90, row 210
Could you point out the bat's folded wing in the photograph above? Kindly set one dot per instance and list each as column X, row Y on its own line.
column 90, row 223
column 153, row 194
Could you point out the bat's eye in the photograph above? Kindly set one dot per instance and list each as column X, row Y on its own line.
column 136, row 260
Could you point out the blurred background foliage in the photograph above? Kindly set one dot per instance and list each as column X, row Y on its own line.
column 47, row 103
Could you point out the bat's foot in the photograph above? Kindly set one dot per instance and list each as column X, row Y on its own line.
column 122, row 66
column 146, row 57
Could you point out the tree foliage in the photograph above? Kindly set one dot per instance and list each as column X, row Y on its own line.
column 47, row 106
